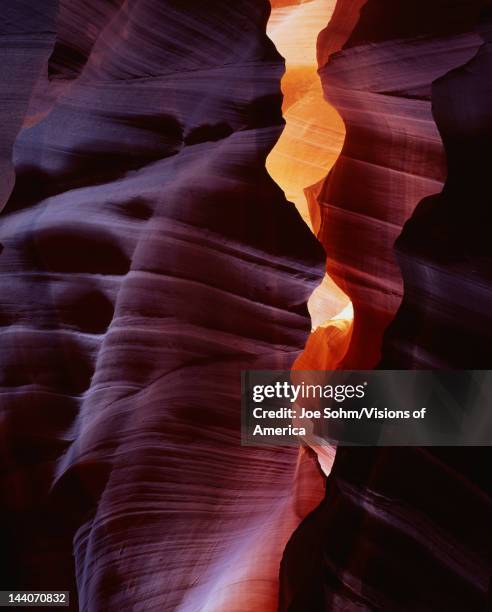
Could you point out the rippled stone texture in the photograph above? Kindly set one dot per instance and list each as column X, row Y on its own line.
column 406, row 529
column 391, row 159
column 27, row 33
column 148, row 258
column 444, row 250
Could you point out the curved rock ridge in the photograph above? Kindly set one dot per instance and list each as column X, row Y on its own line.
column 27, row 36
column 79, row 26
column 148, row 258
column 392, row 158
column 399, row 529
column 406, row 529
column 444, row 249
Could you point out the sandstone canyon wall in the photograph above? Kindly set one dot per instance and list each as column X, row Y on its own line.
column 148, row 257
column 406, row 529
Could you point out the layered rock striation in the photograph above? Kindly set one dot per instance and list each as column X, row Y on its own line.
column 405, row 529
column 392, row 157
column 148, row 258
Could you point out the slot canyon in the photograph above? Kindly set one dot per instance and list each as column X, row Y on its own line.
column 192, row 189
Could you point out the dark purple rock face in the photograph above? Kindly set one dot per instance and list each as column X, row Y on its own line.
column 148, row 257
column 27, row 34
column 407, row 529
column 383, row 20
column 445, row 251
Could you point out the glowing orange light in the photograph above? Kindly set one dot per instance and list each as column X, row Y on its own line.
column 309, row 145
